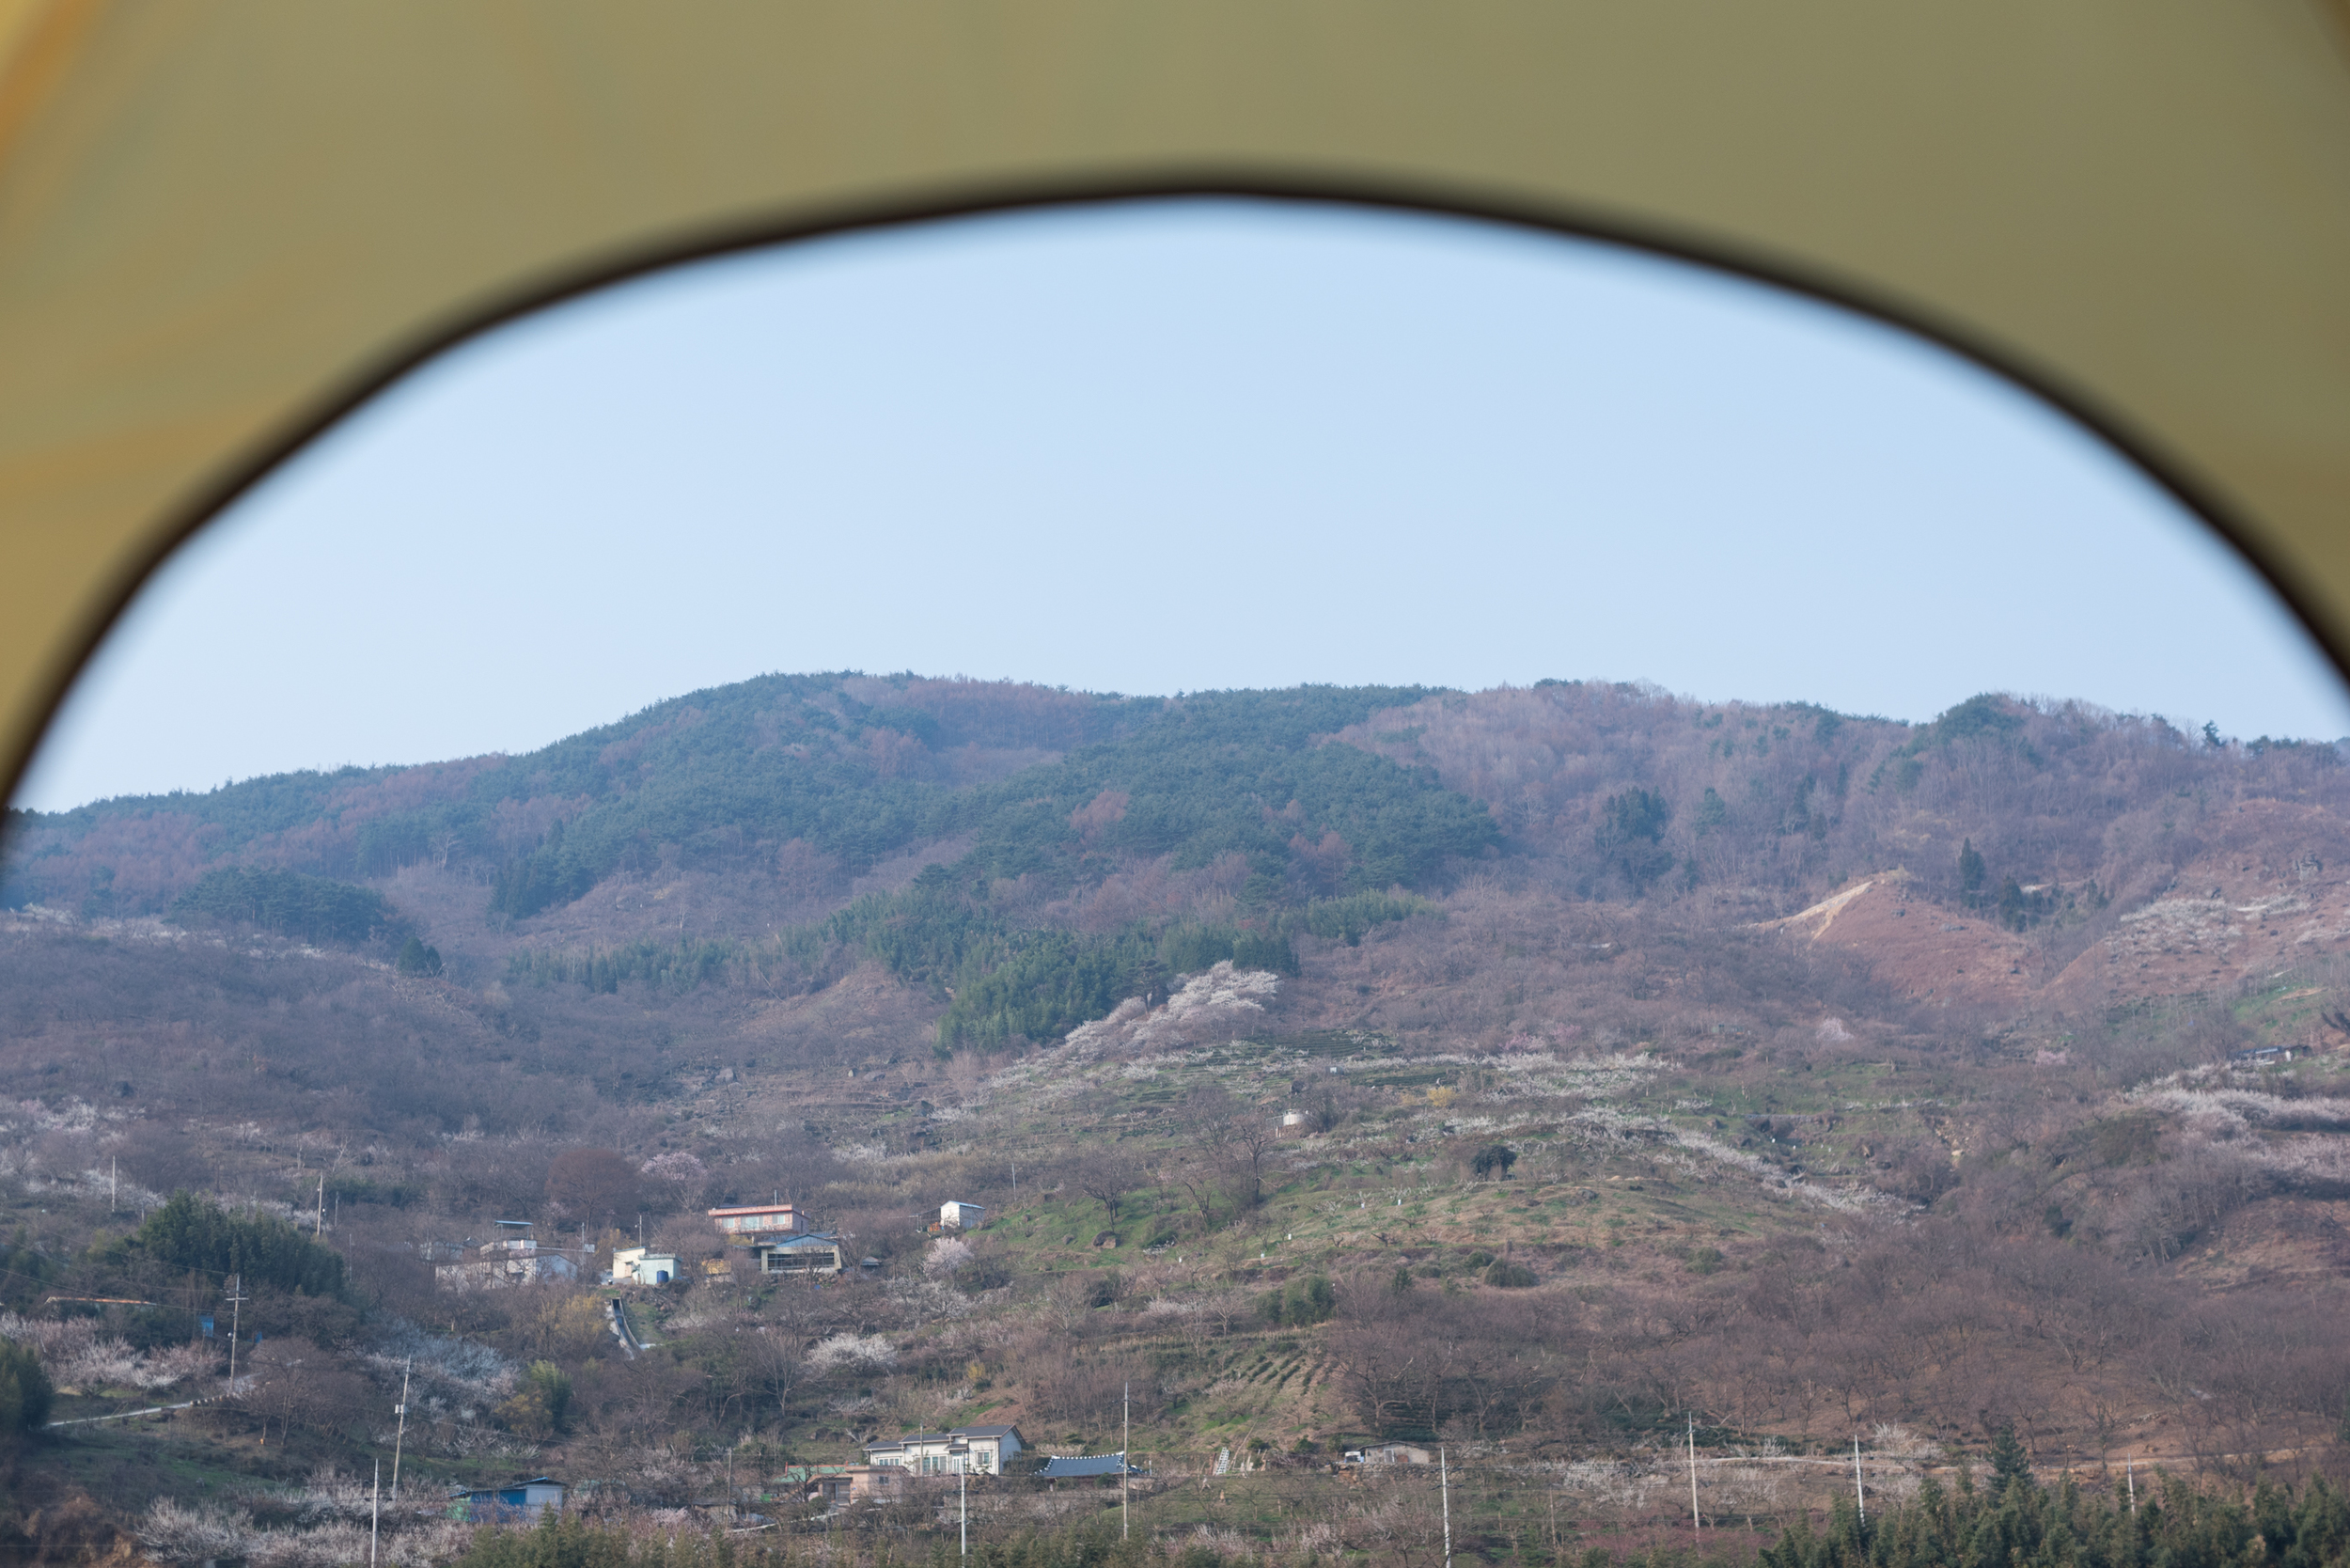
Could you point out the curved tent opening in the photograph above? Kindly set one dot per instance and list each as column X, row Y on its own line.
column 260, row 275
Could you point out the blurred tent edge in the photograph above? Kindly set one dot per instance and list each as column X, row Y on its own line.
column 222, row 225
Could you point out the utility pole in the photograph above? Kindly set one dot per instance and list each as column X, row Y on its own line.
column 114, row 1184
column 1859, row 1495
column 320, row 1228
column 1694, row 1523
column 2132, row 1475
column 375, row 1511
column 1126, row 1461
column 401, row 1435
column 236, row 1314
column 1444, row 1494
column 963, row 1501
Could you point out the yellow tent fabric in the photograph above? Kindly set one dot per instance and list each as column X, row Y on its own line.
column 223, row 220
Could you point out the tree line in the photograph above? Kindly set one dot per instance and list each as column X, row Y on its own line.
column 308, row 908
column 1002, row 982
column 1629, row 791
column 2010, row 1522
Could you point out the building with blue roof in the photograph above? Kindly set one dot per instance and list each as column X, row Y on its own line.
column 812, row 1253
column 524, row 1500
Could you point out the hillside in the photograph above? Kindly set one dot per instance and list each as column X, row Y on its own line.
column 1793, row 1072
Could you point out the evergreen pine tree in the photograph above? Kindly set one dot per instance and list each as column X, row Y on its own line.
column 2009, row 1461
column 25, row 1392
column 2013, row 913
column 1970, row 872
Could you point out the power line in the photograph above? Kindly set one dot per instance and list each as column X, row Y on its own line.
column 236, row 1310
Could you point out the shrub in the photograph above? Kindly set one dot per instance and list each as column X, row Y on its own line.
column 1304, row 1301
column 854, row 1350
column 24, row 1391
column 1494, row 1157
column 539, row 1405
column 947, row 1256
column 1508, row 1275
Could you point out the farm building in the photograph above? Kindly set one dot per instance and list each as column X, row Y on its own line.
column 524, row 1500
column 758, row 1222
column 514, row 1257
column 965, row 1450
column 640, row 1265
column 805, row 1254
column 1062, row 1467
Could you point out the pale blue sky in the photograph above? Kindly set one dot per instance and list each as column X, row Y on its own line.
column 1162, row 448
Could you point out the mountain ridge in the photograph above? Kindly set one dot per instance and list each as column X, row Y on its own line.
column 781, row 801
column 1746, row 1067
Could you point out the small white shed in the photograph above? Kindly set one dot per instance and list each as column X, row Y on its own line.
column 956, row 1216
column 638, row 1265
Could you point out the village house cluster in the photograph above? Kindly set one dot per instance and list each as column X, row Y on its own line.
column 958, row 1451
column 513, row 1256
column 766, row 1239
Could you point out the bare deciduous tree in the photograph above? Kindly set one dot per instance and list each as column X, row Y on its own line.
column 1106, row 1177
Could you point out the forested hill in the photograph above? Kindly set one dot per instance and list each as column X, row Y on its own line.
column 1091, row 811
column 843, row 769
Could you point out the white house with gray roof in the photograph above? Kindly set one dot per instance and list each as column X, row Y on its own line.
column 965, row 1450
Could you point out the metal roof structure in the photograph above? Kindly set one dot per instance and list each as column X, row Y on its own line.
column 1058, row 1467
